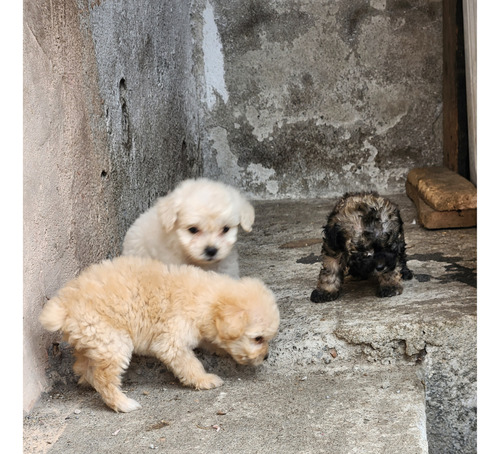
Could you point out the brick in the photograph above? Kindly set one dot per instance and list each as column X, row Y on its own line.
column 434, row 219
column 443, row 189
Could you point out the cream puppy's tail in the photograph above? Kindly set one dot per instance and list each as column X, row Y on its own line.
column 53, row 315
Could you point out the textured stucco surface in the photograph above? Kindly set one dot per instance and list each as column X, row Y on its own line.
column 69, row 209
column 144, row 58
column 320, row 97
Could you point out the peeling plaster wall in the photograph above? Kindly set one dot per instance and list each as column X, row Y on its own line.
column 320, row 96
column 144, row 59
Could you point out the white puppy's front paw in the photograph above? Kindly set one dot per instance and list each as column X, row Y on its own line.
column 208, row 381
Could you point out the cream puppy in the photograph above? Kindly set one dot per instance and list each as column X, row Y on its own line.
column 195, row 224
column 139, row 305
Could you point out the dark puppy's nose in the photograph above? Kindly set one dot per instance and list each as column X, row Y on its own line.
column 210, row 251
column 380, row 266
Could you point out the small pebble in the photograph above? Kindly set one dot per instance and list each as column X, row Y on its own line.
column 77, row 411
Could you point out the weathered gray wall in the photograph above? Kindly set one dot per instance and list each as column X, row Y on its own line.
column 109, row 125
column 69, row 211
column 322, row 96
column 144, row 58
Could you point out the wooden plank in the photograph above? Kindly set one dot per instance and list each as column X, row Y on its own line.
column 455, row 134
column 433, row 219
column 470, row 47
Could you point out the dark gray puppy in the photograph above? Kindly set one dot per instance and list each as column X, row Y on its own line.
column 364, row 236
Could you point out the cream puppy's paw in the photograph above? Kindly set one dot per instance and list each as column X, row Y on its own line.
column 127, row 405
column 208, row 381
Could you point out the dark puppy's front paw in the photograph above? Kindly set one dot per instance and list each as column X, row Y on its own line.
column 406, row 274
column 320, row 296
column 389, row 290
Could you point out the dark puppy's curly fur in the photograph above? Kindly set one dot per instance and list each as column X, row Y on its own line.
column 364, row 235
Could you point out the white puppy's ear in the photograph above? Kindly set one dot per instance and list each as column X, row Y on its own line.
column 247, row 215
column 168, row 208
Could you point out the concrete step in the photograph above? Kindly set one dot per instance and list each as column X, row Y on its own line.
column 360, row 410
column 431, row 326
column 361, row 374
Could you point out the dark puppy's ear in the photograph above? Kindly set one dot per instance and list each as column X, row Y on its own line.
column 398, row 235
column 334, row 237
column 370, row 217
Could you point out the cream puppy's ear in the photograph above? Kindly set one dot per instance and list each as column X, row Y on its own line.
column 168, row 209
column 247, row 215
column 230, row 322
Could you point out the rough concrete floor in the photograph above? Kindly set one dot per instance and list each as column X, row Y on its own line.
column 358, row 375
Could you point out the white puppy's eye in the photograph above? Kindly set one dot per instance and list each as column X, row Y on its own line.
column 193, row 230
column 259, row 339
column 225, row 229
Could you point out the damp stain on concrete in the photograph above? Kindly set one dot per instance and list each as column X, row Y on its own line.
column 455, row 271
column 301, row 243
column 310, row 259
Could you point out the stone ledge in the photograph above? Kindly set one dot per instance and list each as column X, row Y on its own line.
column 361, row 410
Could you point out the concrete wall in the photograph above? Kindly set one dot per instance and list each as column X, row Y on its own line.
column 108, row 126
column 69, row 213
column 280, row 98
column 144, row 58
column 321, row 96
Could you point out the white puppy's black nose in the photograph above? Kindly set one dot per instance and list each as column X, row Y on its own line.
column 210, row 251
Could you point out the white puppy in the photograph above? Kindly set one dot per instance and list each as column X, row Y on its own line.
column 196, row 224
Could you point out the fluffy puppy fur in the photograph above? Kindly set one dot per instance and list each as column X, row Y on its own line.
column 364, row 236
column 138, row 305
column 195, row 224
